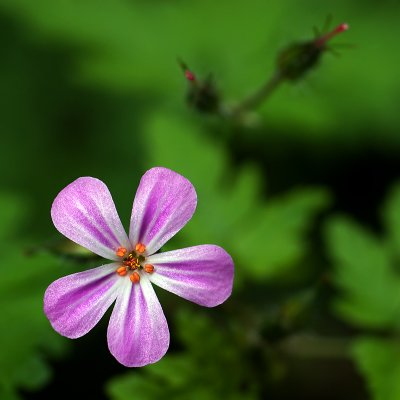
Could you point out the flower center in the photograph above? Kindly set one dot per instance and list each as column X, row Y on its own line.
column 133, row 263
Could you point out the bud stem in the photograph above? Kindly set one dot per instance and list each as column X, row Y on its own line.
column 259, row 96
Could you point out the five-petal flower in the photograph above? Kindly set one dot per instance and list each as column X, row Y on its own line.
column 138, row 332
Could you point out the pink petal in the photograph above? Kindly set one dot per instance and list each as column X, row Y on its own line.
column 138, row 332
column 202, row 274
column 85, row 213
column 74, row 304
column 164, row 202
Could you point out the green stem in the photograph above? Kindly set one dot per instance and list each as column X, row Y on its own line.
column 259, row 96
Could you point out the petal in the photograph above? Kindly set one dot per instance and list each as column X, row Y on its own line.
column 74, row 304
column 138, row 332
column 164, row 202
column 202, row 274
column 85, row 213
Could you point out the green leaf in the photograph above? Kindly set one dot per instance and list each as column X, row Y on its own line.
column 27, row 339
column 266, row 240
column 127, row 386
column 211, row 366
column 391, row 218
column 7, row 391
column 12, row 211
column 116, row 55
column 379, row 361
column 279, row 231
column 370, row 288
column 33, row 373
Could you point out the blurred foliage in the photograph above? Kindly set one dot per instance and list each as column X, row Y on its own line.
column 94, row 89
column 367, row 276
column 379, row 361
column 391, row 218
column 230, row 212
column 26, row 340
column 216, row 368
column 126, row 52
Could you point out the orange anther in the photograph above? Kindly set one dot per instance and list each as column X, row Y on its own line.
column 149, row 268
column 140, row 248
column 135, row 277
column 121, row 271
column 121, row 251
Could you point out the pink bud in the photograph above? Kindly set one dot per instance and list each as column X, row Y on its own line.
column 189, row 75
column 323, row 39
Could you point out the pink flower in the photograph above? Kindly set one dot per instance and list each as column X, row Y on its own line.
column 137, row 332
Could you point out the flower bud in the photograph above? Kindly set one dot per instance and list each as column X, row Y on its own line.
column 201, row 95
column 298, row 58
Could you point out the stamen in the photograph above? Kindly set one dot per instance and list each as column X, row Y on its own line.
column 140, row 248
column 149, row 268
column 121, row 251
column 135, row 277
column 121, row 271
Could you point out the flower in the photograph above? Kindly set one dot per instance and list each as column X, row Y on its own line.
column 137, row 332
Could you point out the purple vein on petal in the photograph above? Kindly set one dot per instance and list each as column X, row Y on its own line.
column 155, row 218
column 75, row 303
column 89, row 225
column 81, row 293
column 138, row 332
column 85, row 213
column 101, row 221
column 164, row 203
column 202, row 274
column 149, row 215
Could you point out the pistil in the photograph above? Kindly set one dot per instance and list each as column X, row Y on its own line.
column 133, row 262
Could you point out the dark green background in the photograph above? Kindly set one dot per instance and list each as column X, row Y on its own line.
column 303, row 193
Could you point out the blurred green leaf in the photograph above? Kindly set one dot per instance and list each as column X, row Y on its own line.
column 210, row 367
column 7, row 391
column 278, row 231
column 125, row 53
column 379, row 361
column 33, row 373
column 369, row 296
column 12, row 211
column 27, row 339
column 391, row 218
column 265, row 240
column 129, row 386
column 370, row 288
